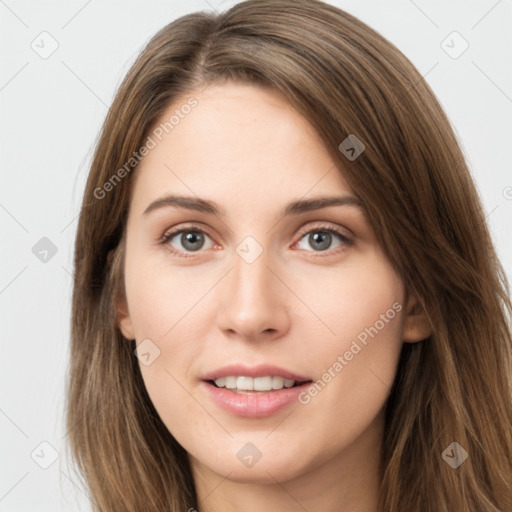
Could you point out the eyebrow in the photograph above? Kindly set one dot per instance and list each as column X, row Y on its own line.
column 210, row 207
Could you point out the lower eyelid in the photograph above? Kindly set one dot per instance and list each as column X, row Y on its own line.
column 166, row 238
column 345, row 242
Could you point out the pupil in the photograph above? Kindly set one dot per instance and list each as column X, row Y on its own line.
column 192, row 237
column 323, row 240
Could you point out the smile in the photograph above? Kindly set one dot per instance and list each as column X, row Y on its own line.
column 244, row 384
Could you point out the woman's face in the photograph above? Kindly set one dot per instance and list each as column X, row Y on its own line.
column 263, row 286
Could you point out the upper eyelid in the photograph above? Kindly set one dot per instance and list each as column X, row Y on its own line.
column 172, row 232
column 326, row 225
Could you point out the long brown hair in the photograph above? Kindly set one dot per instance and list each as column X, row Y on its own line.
column 414, row 183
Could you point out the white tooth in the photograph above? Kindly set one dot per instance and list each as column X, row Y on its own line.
column 230, row 382
column 263, row 383
column 221, row 382
column 244, row 383
column 277, row 382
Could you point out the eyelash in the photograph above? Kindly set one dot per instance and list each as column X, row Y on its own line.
column 321, row 229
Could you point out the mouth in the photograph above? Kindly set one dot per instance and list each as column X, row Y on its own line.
column 254, row 391
column 245, row 385
column 254, row 397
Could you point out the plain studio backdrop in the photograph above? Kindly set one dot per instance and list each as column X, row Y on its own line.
column 61, row 63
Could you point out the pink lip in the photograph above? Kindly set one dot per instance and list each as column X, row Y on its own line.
column 255, row 405
column 262, row 370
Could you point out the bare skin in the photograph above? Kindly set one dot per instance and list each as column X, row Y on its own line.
column 299, row 305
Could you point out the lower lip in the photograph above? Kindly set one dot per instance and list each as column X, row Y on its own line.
column 257, row 405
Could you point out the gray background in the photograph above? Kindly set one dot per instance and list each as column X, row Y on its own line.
column 51, row 111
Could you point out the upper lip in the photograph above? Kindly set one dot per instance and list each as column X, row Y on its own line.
column 263, row 370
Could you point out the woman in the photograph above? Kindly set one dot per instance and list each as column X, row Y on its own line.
column 286, row 295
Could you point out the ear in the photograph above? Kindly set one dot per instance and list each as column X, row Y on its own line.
column 417, row 325
column 123, row 320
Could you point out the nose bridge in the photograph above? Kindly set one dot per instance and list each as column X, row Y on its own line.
column 252, row 302
column 251, row 278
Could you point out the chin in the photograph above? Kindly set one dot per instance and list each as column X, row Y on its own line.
column 261, row 474
column 269, row 468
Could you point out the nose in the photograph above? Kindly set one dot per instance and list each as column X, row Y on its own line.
column 253, row 301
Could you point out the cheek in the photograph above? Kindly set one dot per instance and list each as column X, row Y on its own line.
column 160, row 297
column 355, row 358
column 350, row 300
column 167, row 308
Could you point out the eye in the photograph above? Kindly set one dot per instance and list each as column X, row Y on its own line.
column 185, row 241
column 191, row 239
column 321, row 239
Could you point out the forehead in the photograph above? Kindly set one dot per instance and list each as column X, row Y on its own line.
column 237, row 138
